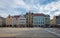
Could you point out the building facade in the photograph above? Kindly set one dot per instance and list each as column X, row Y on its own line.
column 22, row 21
column 41, row 20
column 2, row 21
column 38, row 20
column 47, row 21
column 15, row 20
column 52, row 23
column 57, row 21
column 9, row 21
column 29, row 19
column 12, row 21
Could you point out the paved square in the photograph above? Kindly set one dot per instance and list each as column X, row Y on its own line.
column 25, row 33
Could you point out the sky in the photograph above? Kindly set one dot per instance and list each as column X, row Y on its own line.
column 16, row 7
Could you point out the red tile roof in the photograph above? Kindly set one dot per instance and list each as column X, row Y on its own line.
column 39, row 14
column 17, row 16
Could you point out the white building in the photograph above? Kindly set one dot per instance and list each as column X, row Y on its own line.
column 38, row 20
column 41, row 20
column 15, row 20
column 22, row 21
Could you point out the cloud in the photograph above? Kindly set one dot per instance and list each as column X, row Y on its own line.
column 13, row 7
column 52, row 9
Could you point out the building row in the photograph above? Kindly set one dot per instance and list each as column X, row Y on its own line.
column 28, row 20
column 16, row 21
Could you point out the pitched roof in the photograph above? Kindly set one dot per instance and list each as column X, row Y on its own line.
column 16, row 16
column 39, row 14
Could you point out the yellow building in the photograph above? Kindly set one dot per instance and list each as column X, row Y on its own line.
column 9, row 21
column 53, row 21
column 29, row 19
column 12, row 21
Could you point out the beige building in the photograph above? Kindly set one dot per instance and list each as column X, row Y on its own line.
column 9, row 21
column 29, row 19
column 53, row 21
column 12, row 21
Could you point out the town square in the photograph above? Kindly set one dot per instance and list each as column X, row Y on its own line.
column 29, row 18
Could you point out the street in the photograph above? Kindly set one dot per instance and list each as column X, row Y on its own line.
column 26, row 33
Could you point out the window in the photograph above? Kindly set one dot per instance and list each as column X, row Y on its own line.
column 22, row 19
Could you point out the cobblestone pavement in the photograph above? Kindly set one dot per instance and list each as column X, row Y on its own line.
column 25, row 33
column 55, row 31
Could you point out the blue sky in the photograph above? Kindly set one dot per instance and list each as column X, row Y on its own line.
column 16, row 7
